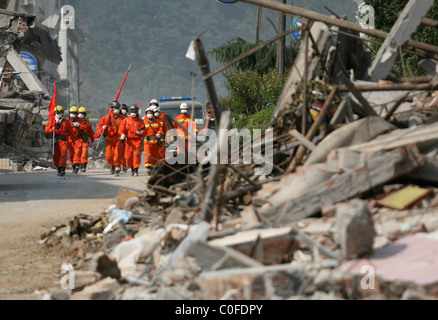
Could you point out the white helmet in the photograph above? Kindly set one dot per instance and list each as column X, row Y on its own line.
column 184, row 106
column 154, row 101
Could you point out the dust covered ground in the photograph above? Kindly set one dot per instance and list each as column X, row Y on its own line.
column 32, row 203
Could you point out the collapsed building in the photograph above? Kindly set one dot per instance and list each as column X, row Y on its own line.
column 349, row 211
column 30, row 60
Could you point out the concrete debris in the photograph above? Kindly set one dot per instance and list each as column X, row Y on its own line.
column 354, row 229
column 326, row 223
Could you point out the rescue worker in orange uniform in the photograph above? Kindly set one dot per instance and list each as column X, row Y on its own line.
column 132, row 130
column 124, row 115
column 87, row 135
column 110, row 125
column 152, row 140
column 155, row 106
column 75, row 149
column 185, row 119
column 63, row 131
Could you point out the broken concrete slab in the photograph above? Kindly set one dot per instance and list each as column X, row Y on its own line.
column 356, row 172
column 253, row 283
column 104, row 289
column 413, row 258
column 211, row 257
column 264, row 245
column 359, row 131
column 128, row 253
column 354, row 230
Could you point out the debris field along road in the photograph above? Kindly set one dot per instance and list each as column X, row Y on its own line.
column 30, row 204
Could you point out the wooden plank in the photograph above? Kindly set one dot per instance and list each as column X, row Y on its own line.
column 296, row 160
column 352, row 88
column 309, row 144
column 422, row 136
column 311, row 15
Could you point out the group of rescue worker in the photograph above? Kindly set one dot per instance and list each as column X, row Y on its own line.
column 72, row 137
column 127, row 135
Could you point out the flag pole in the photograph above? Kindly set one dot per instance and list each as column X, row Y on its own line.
column 116, row 98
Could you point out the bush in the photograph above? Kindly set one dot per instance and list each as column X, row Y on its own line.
column 256, row 121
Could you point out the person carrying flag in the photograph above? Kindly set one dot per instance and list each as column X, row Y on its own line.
column 61, row 130
column 152, row 139
column 87, row 135
column 132, row 130
column 109, row 127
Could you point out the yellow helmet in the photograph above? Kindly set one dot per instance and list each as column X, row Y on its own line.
column 74, row 109
column 59, row 109
column 82, row 110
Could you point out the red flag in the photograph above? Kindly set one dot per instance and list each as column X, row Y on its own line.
column 108, row 119
column 52, row 105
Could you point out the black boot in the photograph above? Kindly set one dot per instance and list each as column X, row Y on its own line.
column 59, row 171
column 132, row 171
column 83, row 167
column 113, row 168
column 136, row 172
column 62, row 171
column 76, row 168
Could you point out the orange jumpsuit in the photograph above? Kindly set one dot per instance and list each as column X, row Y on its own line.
column 151, row 145
column 87, row 133
column 123, row 147
column 114, row 146
column 63, row 131
column 185, row 119
column 75, row 150
column 163, row 122
column 129, row 127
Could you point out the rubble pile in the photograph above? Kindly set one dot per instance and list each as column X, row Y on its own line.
column 350, row 210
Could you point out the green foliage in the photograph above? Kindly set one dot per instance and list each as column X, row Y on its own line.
column 258, row 120
column 250, row 92
column 385, row 18
column 261, row 61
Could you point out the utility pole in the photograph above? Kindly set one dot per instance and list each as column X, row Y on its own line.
column 259, row 19
column 209, row 84
column 281, row 45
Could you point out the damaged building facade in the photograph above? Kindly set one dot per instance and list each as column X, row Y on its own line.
column 31, row 59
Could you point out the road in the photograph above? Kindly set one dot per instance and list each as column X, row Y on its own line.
column 31, row 203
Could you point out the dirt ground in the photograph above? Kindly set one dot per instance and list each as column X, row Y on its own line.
column 31, row 203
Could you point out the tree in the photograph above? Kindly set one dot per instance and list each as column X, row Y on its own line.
column 385, row 18
column 253, row 83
